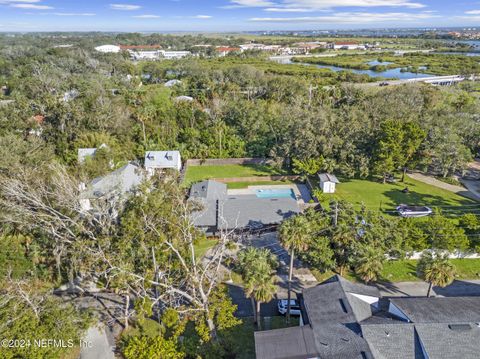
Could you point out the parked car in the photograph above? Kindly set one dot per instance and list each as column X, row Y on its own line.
column 413, row 211
column 383, row 84
column 294, row 307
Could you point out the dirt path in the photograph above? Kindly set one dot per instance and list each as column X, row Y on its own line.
column 446, row 186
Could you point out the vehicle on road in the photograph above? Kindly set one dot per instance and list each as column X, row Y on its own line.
column 294, row 307
column 413, row 211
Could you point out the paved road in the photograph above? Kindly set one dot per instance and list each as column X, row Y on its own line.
column 419, row 289
column 446, row 186
column 98, row 345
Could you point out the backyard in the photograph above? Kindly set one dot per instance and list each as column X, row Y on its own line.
column 405, row 271
column 200, row 173
column 386, row 197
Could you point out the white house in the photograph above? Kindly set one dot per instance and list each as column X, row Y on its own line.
column 172, row 83
column 113, row 49
column 328, row 182
column 162, row 159
column 174, row 54
column 84, row 153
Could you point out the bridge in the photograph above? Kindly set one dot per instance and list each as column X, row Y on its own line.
column 433, row 80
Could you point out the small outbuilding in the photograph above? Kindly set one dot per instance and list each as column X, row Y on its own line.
column 328, row 182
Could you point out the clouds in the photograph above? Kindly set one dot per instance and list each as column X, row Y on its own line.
column 146, row 16
column 202, row 17
column 350, row 18
column 319, row 5
column 125, row 7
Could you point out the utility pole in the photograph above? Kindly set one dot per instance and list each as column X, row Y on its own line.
column 310, row 94
column 335, row 215
column 292, row 253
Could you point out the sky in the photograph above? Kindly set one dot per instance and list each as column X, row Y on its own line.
column 233, row 15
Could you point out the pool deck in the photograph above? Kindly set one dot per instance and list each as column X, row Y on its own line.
column 300, row 190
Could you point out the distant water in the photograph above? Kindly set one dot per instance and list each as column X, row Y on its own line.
column 389, row 74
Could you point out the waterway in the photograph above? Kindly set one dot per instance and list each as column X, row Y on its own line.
column 389, row 74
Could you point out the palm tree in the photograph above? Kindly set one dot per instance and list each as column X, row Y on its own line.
column 294, row 235
column 369, row 265
column 435, row 269
column 261, row 287
column 257, row 267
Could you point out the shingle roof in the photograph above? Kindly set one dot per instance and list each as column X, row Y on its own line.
column 440, row 341
column 327, row 177
column 207, row 215
column 440, row 310
column 288, row 343
column 122, row 180
column 393, row 341
column 244, row 211
column 209, row 190
column 162, row 159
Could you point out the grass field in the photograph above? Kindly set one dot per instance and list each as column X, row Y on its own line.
column 240, row 185
column 385, row 197
column 202, row 246
column 199, row 173
column 405, row 271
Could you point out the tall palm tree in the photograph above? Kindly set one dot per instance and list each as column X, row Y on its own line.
column 435, row 269
column 261, row 287
column 257, row 267
column 369, row 265
column 295, row 235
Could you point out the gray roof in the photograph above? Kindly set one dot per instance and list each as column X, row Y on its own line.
column 441, row 341
column 83, row 153
column 334, row 312
column 327, row 177
column 210, row 190
column 244, row 211
column 207, row 215
column 287, row 343
column 122, row 180
column 440, row 310
column 393, row 341
column 162, row 159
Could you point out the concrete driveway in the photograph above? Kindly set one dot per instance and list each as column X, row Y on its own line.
column 96, row 345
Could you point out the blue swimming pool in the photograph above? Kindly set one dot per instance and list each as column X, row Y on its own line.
column 275, row 193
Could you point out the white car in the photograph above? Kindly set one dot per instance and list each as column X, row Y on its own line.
column 294, row 307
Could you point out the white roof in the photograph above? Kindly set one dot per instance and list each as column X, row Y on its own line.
column 108, row 48
column 162, row 159
column 183, row 98
column 172, row 83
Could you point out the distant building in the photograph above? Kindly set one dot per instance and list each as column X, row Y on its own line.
column 348, row 46
column 341, row 319
column 108, row 49
column 172, row 83
column 223, row 51
column 84, row 153
column 328, row 182
column 155, row 160
column 175, row 54
column 184, row 98
column 145, row 54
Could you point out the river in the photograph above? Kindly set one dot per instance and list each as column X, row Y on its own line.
column 389, row 74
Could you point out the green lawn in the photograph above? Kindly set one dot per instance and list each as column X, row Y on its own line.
column 199, row 173
column 376, row 195
column 405, row 271
column 240, row 185
column 202, row 246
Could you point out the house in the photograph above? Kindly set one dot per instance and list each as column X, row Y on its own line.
column 348, row 46
column 223, row 51
column 145, row 54
column 184, row 98
column 223, row 211
column 169, row 55
column 341, row 319
column 155, row 160
column 84, row 153
column 118, row 183
column 172, row 83
column 108, row 49
column 328, row 182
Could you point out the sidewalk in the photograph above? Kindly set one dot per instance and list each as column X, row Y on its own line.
column 446, row 186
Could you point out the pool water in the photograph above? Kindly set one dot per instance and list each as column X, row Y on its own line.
column 275, row 193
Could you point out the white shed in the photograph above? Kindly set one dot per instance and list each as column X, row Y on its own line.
column 328, row 182
column 162, row 159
